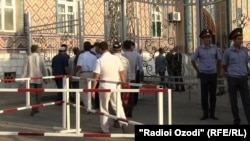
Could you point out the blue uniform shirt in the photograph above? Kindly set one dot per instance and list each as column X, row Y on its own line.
column 59, row 62
column 236, row 61
column 207, row 57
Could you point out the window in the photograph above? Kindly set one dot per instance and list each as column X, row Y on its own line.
column 66, row 16
column 7, row 15
column 156, row 21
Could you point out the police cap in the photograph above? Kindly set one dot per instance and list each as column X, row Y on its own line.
column 236, row 32
column 205, row 33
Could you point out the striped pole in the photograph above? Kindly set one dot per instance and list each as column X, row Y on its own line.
column 110, row 116
column 116, row 82
column 31, row 78
column 30, row 107
column 22, row 90
column 51, row 134
column 27, row 93
column 160, row 108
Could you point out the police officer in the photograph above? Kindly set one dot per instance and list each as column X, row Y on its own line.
column 235, row 62
column 207, row 54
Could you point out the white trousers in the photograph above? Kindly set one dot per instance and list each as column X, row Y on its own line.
column 105, row 98
column 83, row 83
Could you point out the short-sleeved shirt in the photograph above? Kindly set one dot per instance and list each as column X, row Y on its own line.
column 125, row 64
column 108, row 66
column 207, row 57
column 236, row 61
column 59, row 63
column 87, row 61
column 133, row 61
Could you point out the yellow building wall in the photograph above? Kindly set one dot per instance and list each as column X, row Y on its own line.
column 41, row 11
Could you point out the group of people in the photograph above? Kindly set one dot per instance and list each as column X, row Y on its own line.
column 172, row 63
column 233, row 64
column 120, row 63
column 114, row 63
column 211, row 65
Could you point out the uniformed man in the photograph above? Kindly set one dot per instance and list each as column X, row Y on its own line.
column 207, row 55
column 235, row 61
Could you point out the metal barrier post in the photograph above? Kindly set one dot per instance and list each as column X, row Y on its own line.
column 66, row 101
column 160, row 108
column 118, row 101
column 170, row 106
column 89, row 95
column 77, row 96
column 27, row 93
column 64, row 122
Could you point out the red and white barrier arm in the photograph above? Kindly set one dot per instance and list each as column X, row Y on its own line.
column 144, row 90
column 117, row 82
column 110, row 116
column 30, row 107
column 41, row 90
column 31, row 78
column 51, row 134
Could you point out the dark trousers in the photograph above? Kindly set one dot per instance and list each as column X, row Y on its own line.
column 97, row 101
column 37, row 96
column 208, row 88
column 241, row 85
column 72, row 95
column 59, row 84
column 131, row 101
column 162, row 78
column 170, row 79
column 178, row 80
column 138, row 79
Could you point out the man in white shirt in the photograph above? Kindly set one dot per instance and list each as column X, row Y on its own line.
column 85, row 64
column 35, row 67
column 117, row 46
column 109, row 67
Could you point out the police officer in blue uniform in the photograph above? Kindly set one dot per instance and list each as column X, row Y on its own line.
column 235, row 62
column 207, row 55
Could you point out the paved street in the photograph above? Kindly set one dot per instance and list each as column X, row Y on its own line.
column 186, row 110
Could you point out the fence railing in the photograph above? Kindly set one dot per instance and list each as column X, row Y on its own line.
column 66, row 127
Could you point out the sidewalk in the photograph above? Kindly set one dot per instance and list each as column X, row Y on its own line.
column 186, row 111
